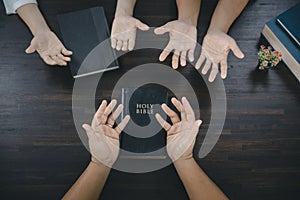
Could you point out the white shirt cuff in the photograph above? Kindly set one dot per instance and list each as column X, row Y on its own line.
column 12, row 5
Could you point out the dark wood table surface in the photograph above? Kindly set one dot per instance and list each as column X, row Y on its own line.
column 257, row 156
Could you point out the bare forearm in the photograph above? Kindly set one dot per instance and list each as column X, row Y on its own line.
column 197, row 184
column 33, row 18
column 225, row 14
column 188, row 11
column 125, row 7
column 90, row 183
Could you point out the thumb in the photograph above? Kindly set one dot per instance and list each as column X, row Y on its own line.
column 162, row 30
column 32, row 48
column 199, row 122
column 87, row 128
column 141, row 25
column 236, row 50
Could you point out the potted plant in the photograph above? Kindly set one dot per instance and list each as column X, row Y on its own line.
column 268, row 58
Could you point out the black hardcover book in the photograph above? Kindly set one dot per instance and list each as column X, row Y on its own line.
column 143, row 136
column 289, row 21
column 82, row 31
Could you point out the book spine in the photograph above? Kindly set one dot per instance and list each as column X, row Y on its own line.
column 287, row 57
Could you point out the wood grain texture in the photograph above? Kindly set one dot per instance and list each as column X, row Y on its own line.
column 257, row 157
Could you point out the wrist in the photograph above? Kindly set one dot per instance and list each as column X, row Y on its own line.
column 189, row 20
column 182, row 165
column 41, row 29
column 122, row 14
column 214, row 29
column 99, row 165
column 183, row 161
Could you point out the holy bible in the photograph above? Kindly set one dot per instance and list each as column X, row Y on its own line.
column 82, row 32
column 143, row 137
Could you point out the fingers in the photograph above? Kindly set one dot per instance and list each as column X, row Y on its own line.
column 191, row 55
column 183, row 58
column 113, row 43
column 236, row 50
column 99, row 113
column 175, row 59
column 125, row 46
column 213, row 73
column 177, row 104
column 66, row 52
column 200, row 61
column 206, row 66
column 190, row 115
column 108, row 110
column 64, row 58
column 224, row 68
column 123, row 124
column 173, row 115
column 61, row 55
column 179, row 107
column 141, row 25
column 119, row 45
column 162, row 122
column 58, row 60
column 48, row 60
column 122, row 45
column 112, row 118
column 53, row 59
column 164, row 54
column 131, row 44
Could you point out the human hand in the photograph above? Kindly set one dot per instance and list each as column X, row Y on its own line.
column 181, row 135
column 183, row 39
column 50, row 48
column 103, row 138
column 123, row 32
column 215, row 48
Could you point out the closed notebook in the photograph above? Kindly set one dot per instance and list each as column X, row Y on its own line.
column 82, row 32
column 290, row 22
column 143, row 135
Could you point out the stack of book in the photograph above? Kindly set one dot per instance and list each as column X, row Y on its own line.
column 283, row 33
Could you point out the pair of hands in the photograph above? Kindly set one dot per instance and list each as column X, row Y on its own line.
column 183, row 39
column 104, row 139
column 50, row 48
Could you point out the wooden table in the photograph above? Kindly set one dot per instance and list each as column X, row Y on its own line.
column 257, row 156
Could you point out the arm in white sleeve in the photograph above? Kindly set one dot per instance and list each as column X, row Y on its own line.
column 12, row 5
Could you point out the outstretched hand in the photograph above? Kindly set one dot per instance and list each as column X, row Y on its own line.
column 103, row 138
column 50, row 48
column 123, row 32
column 183, row 39
column 215, row 48
column 181, row 135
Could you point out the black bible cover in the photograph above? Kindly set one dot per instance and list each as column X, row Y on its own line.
column 82, row 31
column 142, row 104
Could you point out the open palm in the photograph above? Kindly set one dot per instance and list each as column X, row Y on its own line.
column 103, row 138
column 215, row 49
column 183, row 39
column 123, row 32
column 181, row 135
